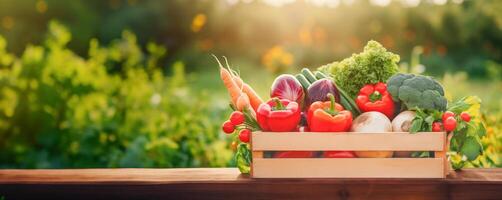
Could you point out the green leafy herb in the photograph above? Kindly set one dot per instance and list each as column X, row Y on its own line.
column 424, row 119
column 466, row 144
column 459, row 106
column 416, row 124
column 243, row 158
column 471, row 148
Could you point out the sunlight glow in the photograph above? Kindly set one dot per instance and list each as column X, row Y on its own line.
column 278, row 3
column 439, row 2
column 410, row 3
column 336, row 3
column 381, row 3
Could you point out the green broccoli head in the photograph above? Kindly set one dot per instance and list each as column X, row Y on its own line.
column 395, row 82
column 416, row 91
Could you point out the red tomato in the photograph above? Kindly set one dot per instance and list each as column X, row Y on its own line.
column 237, row 118
column 228, row 127
column 465, row 116
column 447, row 114
column 294, row 154
column 450, row 124
column 338, row 154
column 244, row 135
column 437, row 127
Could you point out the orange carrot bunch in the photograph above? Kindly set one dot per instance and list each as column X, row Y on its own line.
column 241, row 94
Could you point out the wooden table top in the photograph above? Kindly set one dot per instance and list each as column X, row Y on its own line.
column 216, row 183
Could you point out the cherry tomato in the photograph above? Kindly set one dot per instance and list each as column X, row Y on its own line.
column 294, row 154
column 237, row 118
column 228, row 127
column 450, row 124
column 338, row 154
column 465, row 116
column 244, row 135
column 437, row 127
column 447, row 114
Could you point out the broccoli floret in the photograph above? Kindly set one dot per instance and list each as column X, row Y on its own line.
column 395, row 82
column 416, row 91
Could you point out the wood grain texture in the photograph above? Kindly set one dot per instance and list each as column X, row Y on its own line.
column 395, row 141
column 227, row 183
column 442, row 155
column 348, row 168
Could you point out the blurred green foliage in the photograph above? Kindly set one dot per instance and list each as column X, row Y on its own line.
column 463, row 36
column 112, row 109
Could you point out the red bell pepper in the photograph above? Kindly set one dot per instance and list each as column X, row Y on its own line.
column 328, row 116
column 278, row 115
column 294, row 154
column 376, row 98
column 338, row 154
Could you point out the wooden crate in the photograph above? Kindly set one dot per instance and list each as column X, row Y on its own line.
column 436, row 167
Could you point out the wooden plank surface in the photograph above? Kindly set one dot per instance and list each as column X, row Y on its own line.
column 348, row 168
column 397, row 141
column 227, row 183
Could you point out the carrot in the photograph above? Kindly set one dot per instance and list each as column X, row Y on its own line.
column 254, row 99
column 229, row 83
column 243, row 104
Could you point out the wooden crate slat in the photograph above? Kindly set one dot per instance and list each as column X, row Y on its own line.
column 302, row 141
column 348, row 168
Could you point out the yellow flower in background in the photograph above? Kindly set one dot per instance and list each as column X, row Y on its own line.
column 198, row 22
column 277, row 60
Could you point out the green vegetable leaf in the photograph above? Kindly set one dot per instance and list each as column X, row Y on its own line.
column 416, row 124
column 471, row 148
column 429, row 119
column 421, row 154
column 481, row 130
column 243, row 157
column 458, row 106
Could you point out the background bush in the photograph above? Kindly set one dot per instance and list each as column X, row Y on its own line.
column 112, row 109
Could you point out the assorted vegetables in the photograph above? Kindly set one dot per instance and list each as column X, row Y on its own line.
column 363, row 94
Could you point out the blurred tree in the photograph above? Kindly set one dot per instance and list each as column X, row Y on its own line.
column 455, row 36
